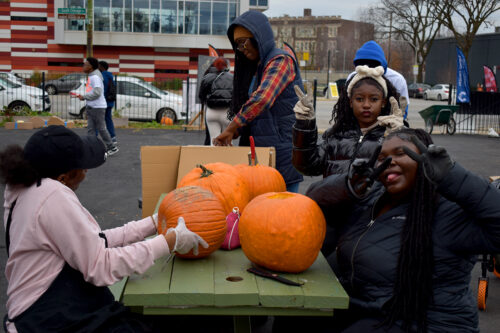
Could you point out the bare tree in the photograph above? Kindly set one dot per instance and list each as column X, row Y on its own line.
column 465, row 17
column 417, row 22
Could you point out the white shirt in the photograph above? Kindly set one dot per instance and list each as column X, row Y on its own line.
column 94, row 91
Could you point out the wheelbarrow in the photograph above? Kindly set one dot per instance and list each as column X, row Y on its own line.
column 440, row 115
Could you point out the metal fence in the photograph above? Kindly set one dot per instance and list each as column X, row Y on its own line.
column 136, row 99
column 480, row 115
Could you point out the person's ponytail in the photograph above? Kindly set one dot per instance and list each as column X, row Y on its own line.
column 15, row 169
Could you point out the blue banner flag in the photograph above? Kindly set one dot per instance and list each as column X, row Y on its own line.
column 463, row 90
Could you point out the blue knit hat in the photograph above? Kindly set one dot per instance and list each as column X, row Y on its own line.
column 370, row 51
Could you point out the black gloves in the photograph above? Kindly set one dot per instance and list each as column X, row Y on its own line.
column 434, row 160
column 362, row 174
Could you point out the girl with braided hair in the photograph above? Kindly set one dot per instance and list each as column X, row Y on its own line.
column 412, row 237
column 360, row 116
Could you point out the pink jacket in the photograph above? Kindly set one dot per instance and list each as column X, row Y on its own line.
column 50, row 227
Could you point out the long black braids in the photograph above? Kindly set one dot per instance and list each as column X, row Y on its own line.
column 342, row 113
column 413, row 286
column 244, row 70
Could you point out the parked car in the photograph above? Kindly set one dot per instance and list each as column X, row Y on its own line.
column 16, row 97
column 135, row 99
column 437, row 92
column 416, row 90
column 63, row 84
column 12, row 77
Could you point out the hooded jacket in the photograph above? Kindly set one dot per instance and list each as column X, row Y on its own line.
column 273, row 126
column 216, row 88
column 466, row 223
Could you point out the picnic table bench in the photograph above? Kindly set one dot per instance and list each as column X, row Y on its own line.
column 220, row 285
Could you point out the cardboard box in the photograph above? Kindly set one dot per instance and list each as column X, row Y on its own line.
column 162, row 167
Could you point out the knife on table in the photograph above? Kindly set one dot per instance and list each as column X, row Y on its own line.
column 265, row 273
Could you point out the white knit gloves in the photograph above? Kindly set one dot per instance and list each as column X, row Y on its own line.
column 304, row 108
column 186, row 240
column 394, row 121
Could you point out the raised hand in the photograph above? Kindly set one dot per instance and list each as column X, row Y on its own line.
column 435, row 160
column 394, row 121
column 363, row 173
column 186, row 240
column 304, row 108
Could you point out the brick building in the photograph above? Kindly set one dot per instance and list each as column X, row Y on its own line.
column 316, row 35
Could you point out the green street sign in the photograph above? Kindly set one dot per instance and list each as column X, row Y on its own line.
column 74, row 11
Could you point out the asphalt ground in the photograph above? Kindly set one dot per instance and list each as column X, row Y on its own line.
column 111, row 191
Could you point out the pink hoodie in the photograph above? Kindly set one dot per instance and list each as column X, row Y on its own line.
column 50, row 227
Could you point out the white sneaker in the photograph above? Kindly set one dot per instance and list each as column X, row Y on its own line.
column 112, row 151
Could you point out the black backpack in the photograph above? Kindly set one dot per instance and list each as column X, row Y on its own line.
column 111, row 94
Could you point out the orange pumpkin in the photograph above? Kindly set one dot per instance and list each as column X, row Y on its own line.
column 203, row 214
column 166, row 121
column 282, row 231
column 261, row 179
column 223, row 180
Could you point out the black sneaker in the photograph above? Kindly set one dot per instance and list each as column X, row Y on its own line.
column 112, row 151
column 113, row 139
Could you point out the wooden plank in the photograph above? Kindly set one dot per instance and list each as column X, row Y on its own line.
column 236, row 311
column 117, row 288
column 275, row 294
column 150, row 288
column 192, row 282
column 234, row 286
column 321, row 287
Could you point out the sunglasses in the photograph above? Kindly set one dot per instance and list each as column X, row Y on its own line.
column 241, row 44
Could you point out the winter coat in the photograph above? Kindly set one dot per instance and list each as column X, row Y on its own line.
column 216, row 88
column 466, row 223
column 334, row 154
column 273, row 126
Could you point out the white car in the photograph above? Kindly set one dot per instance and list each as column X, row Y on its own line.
column 11, row 77
column 16, row 97
column 437, row 92
column 135, row 99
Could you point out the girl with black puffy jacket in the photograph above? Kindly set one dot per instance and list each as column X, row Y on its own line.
column 364, row 111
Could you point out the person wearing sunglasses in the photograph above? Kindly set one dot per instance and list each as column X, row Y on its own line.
column 263, row 93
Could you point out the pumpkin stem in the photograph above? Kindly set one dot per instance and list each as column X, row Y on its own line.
column 206, row 172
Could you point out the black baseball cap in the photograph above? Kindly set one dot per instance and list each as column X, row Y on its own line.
column 55, row 150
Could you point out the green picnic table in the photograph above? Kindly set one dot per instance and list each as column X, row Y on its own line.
column 220, row 285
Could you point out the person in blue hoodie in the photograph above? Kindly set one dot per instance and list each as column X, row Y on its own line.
column 372, row 55
column 107, row 79
column 263, row 93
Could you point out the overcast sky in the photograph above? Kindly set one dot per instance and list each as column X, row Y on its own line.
column 347, row 9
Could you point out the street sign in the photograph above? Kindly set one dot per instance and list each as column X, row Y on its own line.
column 71, row 13
column 415, row 69
column 305, row 56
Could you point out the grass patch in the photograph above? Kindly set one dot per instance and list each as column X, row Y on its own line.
column 152, row 124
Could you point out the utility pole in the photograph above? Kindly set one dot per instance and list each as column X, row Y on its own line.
column 328, row 72
column 90, row 27
column 390, row 35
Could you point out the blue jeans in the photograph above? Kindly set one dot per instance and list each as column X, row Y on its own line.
column 293, row 187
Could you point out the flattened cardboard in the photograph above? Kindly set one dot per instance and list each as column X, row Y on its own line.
column 163, row 166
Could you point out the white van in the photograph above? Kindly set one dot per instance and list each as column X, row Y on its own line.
column 135, row 99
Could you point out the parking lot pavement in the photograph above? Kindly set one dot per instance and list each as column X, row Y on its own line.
column 111, row 191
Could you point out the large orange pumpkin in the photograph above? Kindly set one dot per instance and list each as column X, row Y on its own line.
column 203, row 214
column 282, row 231
column 223, row 180
column 261, row 179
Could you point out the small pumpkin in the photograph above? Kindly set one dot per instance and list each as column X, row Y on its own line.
column 203, row 213
column 282, row 231
column 166, row 120
column 223, row 180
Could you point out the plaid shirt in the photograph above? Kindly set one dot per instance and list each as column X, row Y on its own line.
column 278, row 74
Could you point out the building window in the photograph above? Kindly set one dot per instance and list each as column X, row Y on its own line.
column 75, row 24
column 141, row 16
column 101, row 15
column 169, row 16
column 258, row 3
column 304, row 32
column 205, row 18
column 117, row 15
column 220, row 18
column 356, row 33
column 128, row 16
column 191, row 18
column 332, row 31
column 155, row 16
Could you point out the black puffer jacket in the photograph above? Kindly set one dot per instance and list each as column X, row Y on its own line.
column 334, row 154
column 216, row 88
column 466, row 223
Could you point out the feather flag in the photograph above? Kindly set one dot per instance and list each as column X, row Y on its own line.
column 490, row 82
column 212, row 51
column 463, row 90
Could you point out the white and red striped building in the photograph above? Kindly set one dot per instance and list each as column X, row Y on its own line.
column 149, row 38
